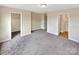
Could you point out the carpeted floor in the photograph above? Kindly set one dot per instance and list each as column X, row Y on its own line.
column 39, row 43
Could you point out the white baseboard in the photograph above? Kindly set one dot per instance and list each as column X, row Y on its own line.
column 74, row 40
column 4, row 40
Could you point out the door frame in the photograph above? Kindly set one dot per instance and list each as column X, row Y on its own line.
column 20, row 21
column 59, row 22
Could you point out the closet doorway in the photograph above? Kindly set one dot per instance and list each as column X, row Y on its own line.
column 63, row 25
column 15, row 25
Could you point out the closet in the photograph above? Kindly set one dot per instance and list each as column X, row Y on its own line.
column 15, row 24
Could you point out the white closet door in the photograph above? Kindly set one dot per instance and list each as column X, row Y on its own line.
column 25, row 23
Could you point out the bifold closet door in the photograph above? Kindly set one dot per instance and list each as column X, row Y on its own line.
column 25, row 23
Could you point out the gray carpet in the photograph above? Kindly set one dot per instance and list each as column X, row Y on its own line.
column 39, row 43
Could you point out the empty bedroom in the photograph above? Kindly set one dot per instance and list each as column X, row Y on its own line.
column 39, row 29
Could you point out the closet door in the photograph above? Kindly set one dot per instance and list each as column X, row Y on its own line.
column 25, row 23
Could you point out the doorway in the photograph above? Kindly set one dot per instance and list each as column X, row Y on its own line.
column 63, row 25
column 15, row 24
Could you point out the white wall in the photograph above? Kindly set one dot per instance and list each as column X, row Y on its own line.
column 42, row 21
column 15, row 22
column 35, row 21
column 73, row 24
column 52, row 23
column 38, row 21
column 5, row 27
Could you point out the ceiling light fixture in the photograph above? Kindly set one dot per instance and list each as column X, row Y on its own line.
column 43, row 5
